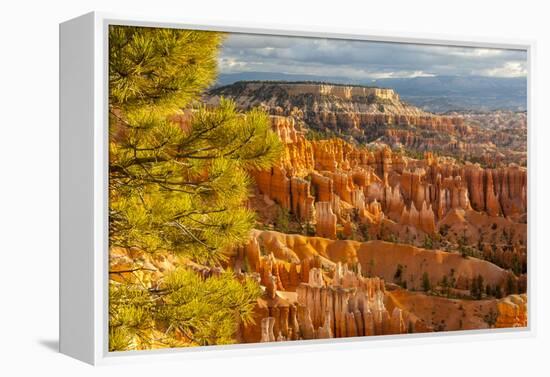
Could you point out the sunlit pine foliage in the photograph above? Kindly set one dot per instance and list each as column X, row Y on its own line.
column 178, row 187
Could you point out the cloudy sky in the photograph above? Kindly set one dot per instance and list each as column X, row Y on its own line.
column 362, row 59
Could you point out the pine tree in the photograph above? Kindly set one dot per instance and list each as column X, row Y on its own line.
column 428, row 243
column 185, row 310
column 426, row 285
column 511, row 285
column 476, row 287
column 184, row 191
column 173, row 188
column 178, row 187
column 480, row 286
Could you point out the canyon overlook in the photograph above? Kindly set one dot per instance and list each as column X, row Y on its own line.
column 379, row 215
column 362, row 238
column 353, row 196
column 377, row 115
column 334, row 183
column 242, row 210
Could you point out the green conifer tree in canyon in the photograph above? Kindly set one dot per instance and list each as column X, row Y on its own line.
column 178, row 188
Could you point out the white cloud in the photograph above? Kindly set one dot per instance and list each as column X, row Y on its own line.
column 405, row 74
column 230, row 65
column 509, row 69
column 476, row 52
column 363, row 59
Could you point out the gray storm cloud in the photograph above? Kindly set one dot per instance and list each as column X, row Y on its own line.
column 364, row 59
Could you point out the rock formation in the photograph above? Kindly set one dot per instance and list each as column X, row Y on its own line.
column 326, row 220
column 335, row 186
column 378, row 219
column 512, row 311
column 335, row 106
column 411, row 191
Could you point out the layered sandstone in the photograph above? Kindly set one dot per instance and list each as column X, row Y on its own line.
column 430, row 217
column 366, row 186
column 333, row 106
column 369, row 114
column 512, row 311
column 326, row 220
column 312, row 293
column 343, row 304
column 437, row 264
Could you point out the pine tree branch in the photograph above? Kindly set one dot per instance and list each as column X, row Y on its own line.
column 189, row 233
column 132, row 270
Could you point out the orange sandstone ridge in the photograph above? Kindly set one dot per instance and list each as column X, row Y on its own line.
column 319, row 288
column 333, row 106
column 367, row 114
column 334, row 185
column 380, row 185
column 383, row 243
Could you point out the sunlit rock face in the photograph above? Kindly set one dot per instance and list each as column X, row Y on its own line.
column 368, row 114
column 379, row 218
column 332, row 106
column 512, row 311
column 336, row 186
column 312, row 293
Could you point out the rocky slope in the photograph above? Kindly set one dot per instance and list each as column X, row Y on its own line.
column 334, row 107
column 341, row 188
column 377, row 239
column 367, row 114
column 318, row 288
column 385, row 224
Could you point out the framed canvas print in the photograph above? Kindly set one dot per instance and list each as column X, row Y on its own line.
column 233, row 189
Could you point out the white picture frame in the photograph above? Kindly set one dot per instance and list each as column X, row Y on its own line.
column 83, row 191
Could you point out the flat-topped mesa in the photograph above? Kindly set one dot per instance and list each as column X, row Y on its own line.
column 366, row 114
column 342, row 91
column 327, row 106
column 346, row 92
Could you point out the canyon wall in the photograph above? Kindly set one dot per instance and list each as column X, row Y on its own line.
column 331, row 106
column 344, row 182
column 320, row 89
column 396, row 226
column 318, row 288
column 367, row 114
column 310, row 297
